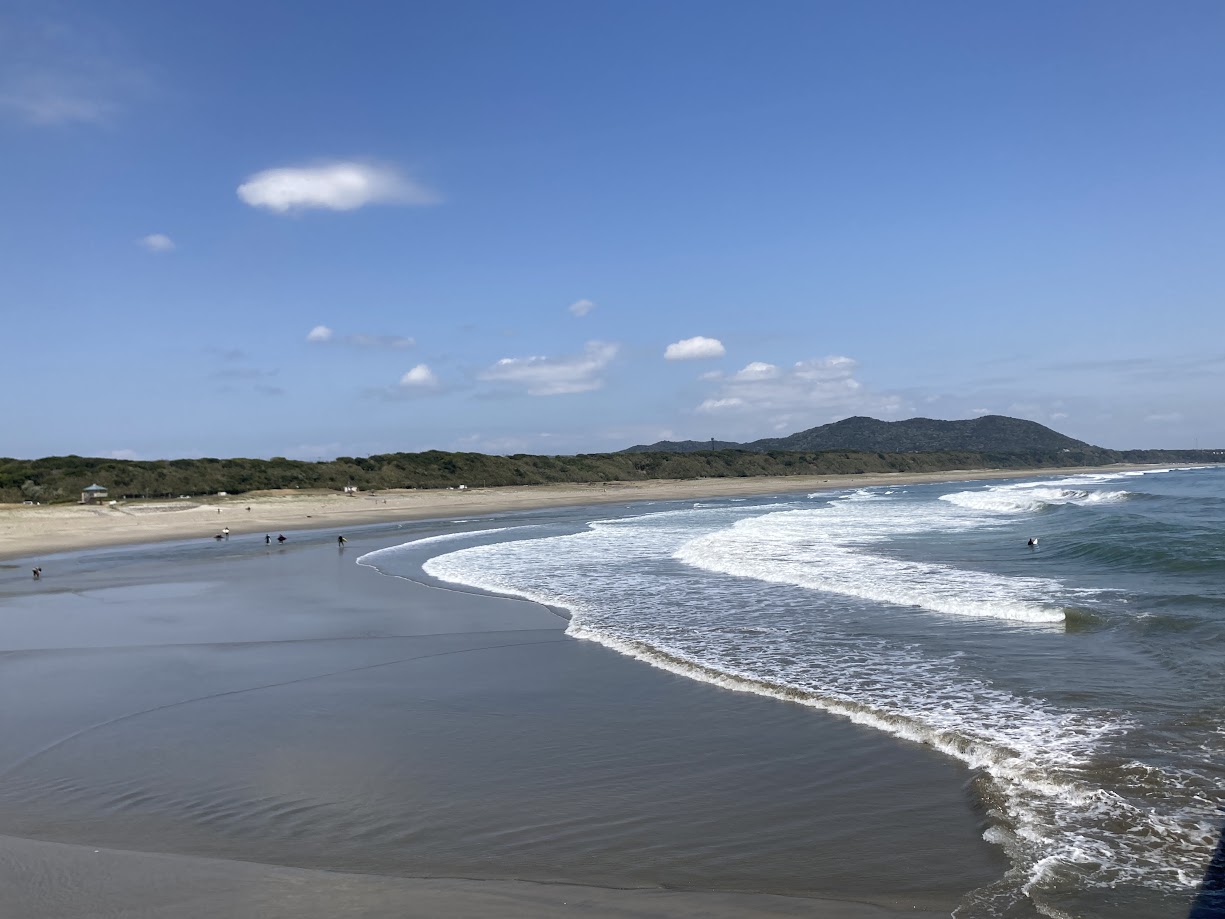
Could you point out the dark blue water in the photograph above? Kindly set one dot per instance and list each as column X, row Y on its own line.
column 1082, row 679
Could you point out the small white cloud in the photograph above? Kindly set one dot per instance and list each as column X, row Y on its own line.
column 1058, row 416
column 1164, row 418
column 157, row 242
column 689, row 349
column 343, row 186
column 757, row 371
column 980, row 411
column 581, row 307
column 420, row 376
column 123, row 454
column 553, row 376
column 319, row 333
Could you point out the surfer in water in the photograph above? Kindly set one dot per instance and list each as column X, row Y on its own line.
column 1033, row 542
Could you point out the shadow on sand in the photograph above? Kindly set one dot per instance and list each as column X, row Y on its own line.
column 1210, row 902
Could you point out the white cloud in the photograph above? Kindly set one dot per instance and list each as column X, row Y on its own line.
column 553, row 376
column 157, row 242
column 825, row 385
column 123, row 454
column 980, row 411
column 420, row 377
column 1058, row 416
column 581, row 307
column 319, row 333
column 342, row 186
column 1164, row 418
column 757, row 371
column 689, row 349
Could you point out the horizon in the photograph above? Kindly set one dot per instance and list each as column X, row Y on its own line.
column 553, row 230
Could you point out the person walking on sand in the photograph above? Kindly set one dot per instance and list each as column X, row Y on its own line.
column 340, row 541
column 226, row 532
column 267, row 539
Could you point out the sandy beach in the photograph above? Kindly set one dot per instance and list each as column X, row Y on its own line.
column 277, row 732
column 31, row 531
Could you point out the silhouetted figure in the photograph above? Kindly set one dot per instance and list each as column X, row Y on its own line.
column 218, row 537
column 1210, row 902
column 281, row 538
column 38, row 573
column 267, row 539
column 225, row 532
column 340, row 541
column 1033, row 542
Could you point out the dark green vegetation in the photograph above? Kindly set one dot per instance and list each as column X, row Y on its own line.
column 988, row 434
column 61, row 478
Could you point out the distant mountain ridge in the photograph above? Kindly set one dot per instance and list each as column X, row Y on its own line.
column 985, row 434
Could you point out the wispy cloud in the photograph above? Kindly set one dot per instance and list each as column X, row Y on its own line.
column 696, row 348
column 56, row 73
column 581, row 307
column 338, row 186
column 826, row 385
column 553, row 376
column 1164, row 418
column 757, row 371
column 157, row 242
column 322, row 334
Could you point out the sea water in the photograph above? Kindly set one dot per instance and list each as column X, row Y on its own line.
column 1081, row 679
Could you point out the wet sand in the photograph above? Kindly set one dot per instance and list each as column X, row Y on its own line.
column 249, row 731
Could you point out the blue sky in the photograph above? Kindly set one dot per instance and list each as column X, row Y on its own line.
column 311, row 229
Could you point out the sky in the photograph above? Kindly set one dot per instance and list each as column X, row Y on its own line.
column 311, row 229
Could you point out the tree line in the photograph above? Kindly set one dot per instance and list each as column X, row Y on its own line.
column 61, row 478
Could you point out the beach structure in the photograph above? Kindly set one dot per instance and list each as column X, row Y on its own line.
column 93, row 494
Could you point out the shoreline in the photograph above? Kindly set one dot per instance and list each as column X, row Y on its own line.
column 27, row 531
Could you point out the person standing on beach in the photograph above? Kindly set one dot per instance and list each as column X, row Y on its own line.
column 226, row 532
column 340, row 541
column 267, row 539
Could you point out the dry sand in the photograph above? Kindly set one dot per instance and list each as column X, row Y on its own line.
column 30, row 531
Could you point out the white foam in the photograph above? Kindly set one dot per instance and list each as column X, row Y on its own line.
column 692, row 591
column 1020, row 499
column 370, row 558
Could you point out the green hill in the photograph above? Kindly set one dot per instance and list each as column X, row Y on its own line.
column 988, row 434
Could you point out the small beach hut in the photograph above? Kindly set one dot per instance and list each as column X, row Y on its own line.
column 93, row 494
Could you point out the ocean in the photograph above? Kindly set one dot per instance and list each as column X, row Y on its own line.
column 1080, row 680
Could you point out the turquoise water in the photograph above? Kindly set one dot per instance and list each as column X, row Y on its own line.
column 1082, row 679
